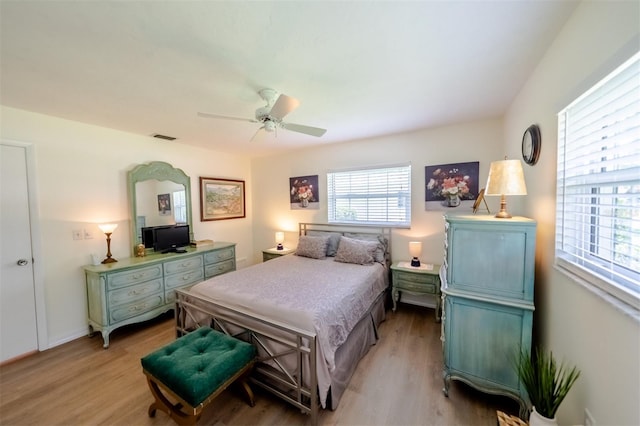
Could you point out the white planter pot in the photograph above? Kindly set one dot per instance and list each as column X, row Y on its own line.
column 537, row 419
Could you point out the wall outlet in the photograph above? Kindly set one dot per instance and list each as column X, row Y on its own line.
column 87, row 235
column 588, row 418
column 77, row 234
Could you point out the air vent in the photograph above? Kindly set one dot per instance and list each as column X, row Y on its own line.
column 165, row 137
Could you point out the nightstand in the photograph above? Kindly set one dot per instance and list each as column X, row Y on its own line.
column 421, row 280
column 272, row 253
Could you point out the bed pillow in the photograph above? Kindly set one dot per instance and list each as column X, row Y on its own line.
column 356, row 251
column 314, row 247
column 334, row 240
column 382, row 244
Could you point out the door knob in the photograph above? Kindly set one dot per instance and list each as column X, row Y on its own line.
column 23, row 262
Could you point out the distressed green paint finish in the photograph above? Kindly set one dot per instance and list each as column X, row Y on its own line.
column 415, row 281
column 160, row 171
column 136, row 289
column 488, row 284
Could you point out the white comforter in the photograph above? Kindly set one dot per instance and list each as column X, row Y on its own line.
column 324, row 297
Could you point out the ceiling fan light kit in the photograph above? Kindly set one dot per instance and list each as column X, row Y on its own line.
column 271, row 115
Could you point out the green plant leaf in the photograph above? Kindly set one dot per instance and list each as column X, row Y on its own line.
column 546, row 382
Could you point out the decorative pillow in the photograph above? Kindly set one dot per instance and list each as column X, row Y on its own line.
column 382, row 244
column 356, row 251
column 334, row 240
column 314, row 247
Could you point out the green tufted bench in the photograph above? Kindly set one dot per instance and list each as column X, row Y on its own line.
column 194, row 369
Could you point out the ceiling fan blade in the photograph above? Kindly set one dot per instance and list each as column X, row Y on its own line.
column 259, row 135
column 226, row 117
column 308, row 130
column 283, row 106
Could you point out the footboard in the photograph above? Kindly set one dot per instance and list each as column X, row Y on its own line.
column 286, row 363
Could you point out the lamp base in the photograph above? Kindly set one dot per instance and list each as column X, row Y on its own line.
column 109, row 260
column 503, row 215
column 279, row 246
column 415, row 262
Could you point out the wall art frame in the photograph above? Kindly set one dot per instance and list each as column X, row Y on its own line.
column 221, row 199
column 303, row 193
column 164, row 204
column 452, row 187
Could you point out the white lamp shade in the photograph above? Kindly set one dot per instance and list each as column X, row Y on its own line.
column 279, row 237
column 108, row 228
column 506, row 177
column 415, row 248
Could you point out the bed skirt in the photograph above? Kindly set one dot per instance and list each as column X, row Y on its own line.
column 362, row 337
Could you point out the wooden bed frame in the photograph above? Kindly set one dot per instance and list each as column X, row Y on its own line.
column 275, row 341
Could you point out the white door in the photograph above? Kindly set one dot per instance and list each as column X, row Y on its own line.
column 18, row 328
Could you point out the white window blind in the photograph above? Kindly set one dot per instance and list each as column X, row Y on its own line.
column 179, row 207
column 376, row 196
column 598, row 184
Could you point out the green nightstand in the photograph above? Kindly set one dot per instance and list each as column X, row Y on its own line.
column 272, row 253
column 416, row 280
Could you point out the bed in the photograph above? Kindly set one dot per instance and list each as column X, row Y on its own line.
column 312, row 315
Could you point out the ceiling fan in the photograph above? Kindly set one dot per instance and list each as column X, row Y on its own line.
column 271, row 115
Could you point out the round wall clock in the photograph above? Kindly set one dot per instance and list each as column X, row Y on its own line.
column 531, row 144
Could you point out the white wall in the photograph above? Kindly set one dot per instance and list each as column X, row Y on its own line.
column 81, row 173
column 477, row 141
column 574, row 323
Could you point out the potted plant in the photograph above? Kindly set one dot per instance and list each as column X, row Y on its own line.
column 546, row 382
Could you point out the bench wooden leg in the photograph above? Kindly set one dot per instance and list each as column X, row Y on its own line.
column 174, row 411
column 249, row 392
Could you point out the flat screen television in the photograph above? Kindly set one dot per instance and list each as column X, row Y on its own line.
column 170, row 238
column 147, row 236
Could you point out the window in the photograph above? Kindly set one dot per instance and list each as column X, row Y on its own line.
column 376, row 196
column 598, row 186
column 179, row 207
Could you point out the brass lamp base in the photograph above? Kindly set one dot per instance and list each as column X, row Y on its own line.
column 108, row 259
column 503, row 214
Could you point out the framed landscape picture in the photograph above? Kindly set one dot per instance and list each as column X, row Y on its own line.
column 221, row 199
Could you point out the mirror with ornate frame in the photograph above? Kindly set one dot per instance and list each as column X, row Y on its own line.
column 159, row 194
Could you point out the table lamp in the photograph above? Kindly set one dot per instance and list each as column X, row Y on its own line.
column 108, row 229
column 505, row 178
column 279, row 240
column 415, row 250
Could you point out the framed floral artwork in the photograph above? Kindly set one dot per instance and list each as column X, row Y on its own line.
column 303, row 192
column 221, row 199
column 451, row 186
column 164, row 204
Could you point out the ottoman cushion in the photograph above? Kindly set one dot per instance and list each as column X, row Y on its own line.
column 196, row 364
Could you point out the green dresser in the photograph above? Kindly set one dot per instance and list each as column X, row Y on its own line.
column 140, row 288
column 487, row 290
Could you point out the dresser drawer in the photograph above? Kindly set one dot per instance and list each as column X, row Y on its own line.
column 131, row 277
column 219, row 255
column 132, row 293
column 415, row 286
column 219, row 268
column 185, row 278
column 415, row 278
column 182, row 265
column 139, row 307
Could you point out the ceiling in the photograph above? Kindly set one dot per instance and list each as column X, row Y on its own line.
column 360, row 69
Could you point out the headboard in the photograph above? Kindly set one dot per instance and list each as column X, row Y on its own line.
column 381, row 234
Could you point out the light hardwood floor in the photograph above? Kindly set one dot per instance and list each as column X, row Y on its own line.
column 399, row 382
